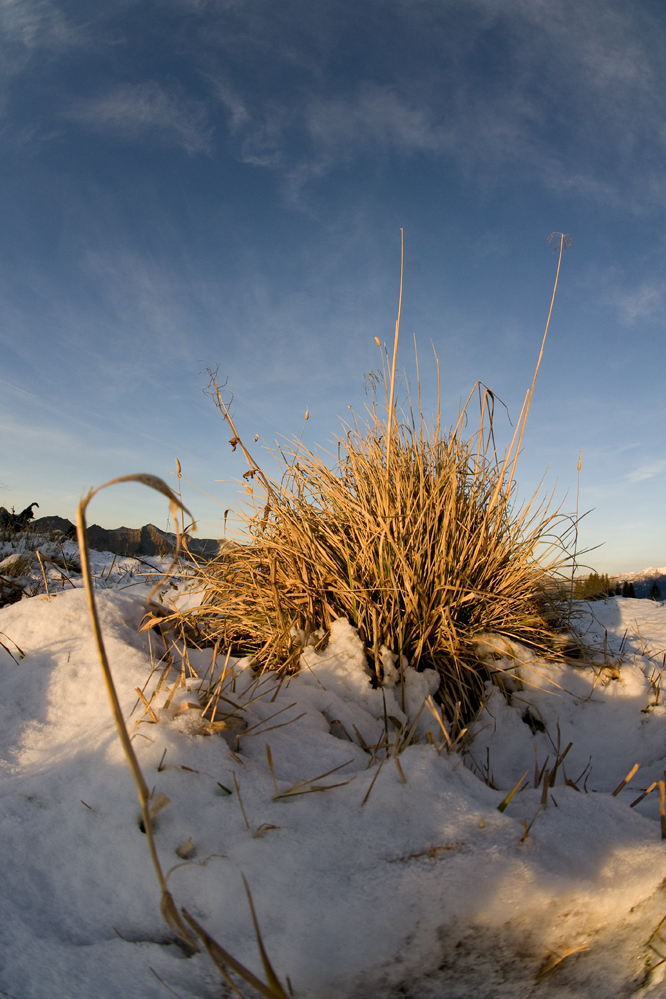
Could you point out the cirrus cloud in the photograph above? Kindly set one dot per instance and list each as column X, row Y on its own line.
column 145, row 110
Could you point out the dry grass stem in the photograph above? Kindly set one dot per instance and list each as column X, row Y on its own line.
column 623, row 783
column 9, row 651
column 372, row 782
column 150, row 808
column 309, row 786
column 503, row 804
column 645, row 793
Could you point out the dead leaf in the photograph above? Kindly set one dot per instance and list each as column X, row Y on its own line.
column 160, row 802
column 263, row 829
column 186, row 849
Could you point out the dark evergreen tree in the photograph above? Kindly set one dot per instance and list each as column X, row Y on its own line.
column 595, row 587
column 655, row 592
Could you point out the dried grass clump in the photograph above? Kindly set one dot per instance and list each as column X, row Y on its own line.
column 17, row 565
column 410, row 532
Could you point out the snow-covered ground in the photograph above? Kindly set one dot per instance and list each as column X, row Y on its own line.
column 368, row 882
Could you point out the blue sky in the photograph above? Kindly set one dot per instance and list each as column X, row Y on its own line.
column 187, row 184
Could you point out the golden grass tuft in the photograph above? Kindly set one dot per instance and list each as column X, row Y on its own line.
column 409, row 531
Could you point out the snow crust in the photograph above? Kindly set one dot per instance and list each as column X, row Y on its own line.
column 420, row 888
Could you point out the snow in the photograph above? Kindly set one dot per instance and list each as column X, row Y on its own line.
column 367, row 882
column 648, row 573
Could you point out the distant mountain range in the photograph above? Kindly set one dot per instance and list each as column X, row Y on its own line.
column 150, row 540
column 146, row 540
column 644, row 580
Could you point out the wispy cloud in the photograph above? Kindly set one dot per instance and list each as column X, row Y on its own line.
column 37, row 24
column 236, row 110
column 146, row 111
column 308, row 139
column 374, row 118
column 565, row 92
column 643, row 302
column 28, row 30
column 647, row 471
column 569, row 92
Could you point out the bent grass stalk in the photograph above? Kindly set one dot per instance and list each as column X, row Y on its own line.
column 168, row 910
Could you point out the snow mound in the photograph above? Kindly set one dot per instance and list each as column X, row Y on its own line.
column 367, row 882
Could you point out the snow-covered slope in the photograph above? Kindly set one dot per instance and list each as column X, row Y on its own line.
column 368, row 882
